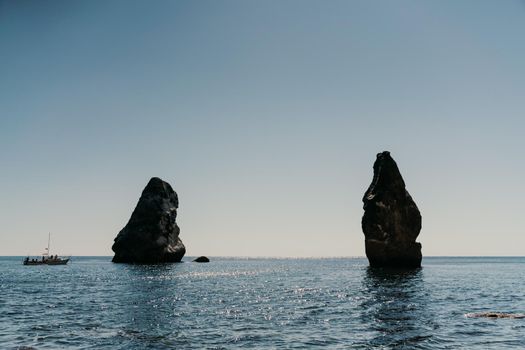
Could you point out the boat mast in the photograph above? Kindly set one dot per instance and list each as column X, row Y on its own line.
column 48, row 241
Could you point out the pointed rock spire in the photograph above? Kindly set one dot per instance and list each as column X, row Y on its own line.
column 391, row 222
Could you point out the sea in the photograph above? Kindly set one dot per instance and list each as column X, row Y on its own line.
column 266, row 303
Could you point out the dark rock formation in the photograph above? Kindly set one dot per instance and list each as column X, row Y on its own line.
column 151, row 234
column 495, row 315
column 392, row 221
column 202, row 259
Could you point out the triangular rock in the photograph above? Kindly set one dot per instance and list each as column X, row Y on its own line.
column 151, row 235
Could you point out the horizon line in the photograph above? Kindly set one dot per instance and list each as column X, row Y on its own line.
column 290, row 257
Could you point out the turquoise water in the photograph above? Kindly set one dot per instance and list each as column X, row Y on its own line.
column 261, row 303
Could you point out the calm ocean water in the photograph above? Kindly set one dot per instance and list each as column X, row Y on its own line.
column 261, row 303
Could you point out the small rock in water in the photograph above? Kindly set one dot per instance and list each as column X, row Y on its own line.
column 495, row 315
column 202, row 259
column 391, row 222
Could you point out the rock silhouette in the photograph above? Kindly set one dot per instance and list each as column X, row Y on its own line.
column 202, row 259
column 391, row 222
column 495, row 315
column 151, row 234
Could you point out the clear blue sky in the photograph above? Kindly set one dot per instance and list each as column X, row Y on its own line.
column 265, row 116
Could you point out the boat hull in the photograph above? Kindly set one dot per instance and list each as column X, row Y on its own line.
column 46, row 262
column 58, row 262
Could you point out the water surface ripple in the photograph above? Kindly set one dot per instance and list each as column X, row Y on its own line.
column 261, row 303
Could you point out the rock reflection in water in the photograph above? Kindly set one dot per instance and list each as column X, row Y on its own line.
column 150, row 307
column 396, row 305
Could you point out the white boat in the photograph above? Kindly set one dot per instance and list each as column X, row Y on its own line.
column 46, row 258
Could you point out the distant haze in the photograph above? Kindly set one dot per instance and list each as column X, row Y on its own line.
column 265, row 117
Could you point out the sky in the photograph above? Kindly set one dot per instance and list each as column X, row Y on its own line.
column 265, row 117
